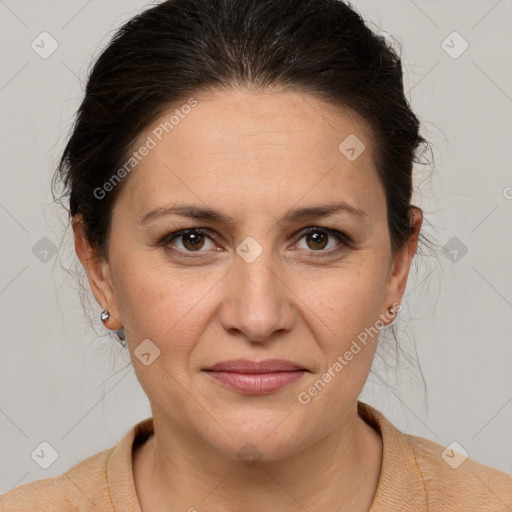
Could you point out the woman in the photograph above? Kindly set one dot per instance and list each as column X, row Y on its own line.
column 240, row 181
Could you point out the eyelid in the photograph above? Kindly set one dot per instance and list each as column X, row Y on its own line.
column 167, row 239
column 346, row 242
column 330, row 231
column 342, row 237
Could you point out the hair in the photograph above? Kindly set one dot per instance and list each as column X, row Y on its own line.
column 179, row 48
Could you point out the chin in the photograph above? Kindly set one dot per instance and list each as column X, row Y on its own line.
column 260, row 442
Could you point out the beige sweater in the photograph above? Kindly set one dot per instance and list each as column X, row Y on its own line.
column 414, row 477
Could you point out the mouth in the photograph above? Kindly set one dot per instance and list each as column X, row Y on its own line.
column 255, row 377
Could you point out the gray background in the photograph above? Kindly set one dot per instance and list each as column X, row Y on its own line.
column 71, row 385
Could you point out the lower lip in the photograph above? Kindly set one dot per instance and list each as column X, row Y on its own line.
column 256, row 383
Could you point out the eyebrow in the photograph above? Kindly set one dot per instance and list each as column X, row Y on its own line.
column 208, row 214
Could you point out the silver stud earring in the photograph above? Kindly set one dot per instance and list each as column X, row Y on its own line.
column 392, row 312
column 105, row 315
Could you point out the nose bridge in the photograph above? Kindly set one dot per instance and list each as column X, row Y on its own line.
column 258, row 265
column 257, row 302
column 257, row 274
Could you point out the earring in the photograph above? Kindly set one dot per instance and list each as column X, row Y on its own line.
column 392, row 312
column 105, row 315
column 121, row 336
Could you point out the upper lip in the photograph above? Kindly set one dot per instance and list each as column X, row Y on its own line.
column 248, row 366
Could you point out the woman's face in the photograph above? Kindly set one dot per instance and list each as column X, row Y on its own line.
column 250, row 171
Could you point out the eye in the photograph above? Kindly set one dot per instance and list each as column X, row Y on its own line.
column 192, row 240
column 317, row 239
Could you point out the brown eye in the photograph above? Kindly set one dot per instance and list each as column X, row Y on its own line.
column 317, row 239
column 192, row 240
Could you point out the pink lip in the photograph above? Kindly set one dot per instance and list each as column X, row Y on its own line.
column 256, row 377
column 247, row 366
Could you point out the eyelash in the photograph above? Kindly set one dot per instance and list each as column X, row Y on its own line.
column 344, row 239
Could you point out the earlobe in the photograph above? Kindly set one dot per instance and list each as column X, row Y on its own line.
column 98, row 273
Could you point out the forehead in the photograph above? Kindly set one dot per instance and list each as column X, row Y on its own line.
column 255, row 150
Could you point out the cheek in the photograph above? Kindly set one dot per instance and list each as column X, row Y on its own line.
column 344, row 311
column 343, row 315
column 170, row 311
column 163, row 305
column 347, row 300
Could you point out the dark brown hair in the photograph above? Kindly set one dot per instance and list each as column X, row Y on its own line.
column 180, row 47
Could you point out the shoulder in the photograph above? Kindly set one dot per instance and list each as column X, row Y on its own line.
column 420, row 474
column 102, row 482
column 453, row 481
column 84, row 487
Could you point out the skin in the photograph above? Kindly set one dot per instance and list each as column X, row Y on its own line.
column 252, row 156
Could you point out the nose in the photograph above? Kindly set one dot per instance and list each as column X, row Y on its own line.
column 258, row 302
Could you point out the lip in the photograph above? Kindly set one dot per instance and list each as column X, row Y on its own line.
column 255, row 377
column 248, row 366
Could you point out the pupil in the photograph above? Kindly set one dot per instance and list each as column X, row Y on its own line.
column 317, row 239
column 195, row 240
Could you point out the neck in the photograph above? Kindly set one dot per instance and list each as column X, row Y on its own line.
column 339, row 471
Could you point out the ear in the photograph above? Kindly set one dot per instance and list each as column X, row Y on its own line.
column 401, row 263
column 98, row 274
